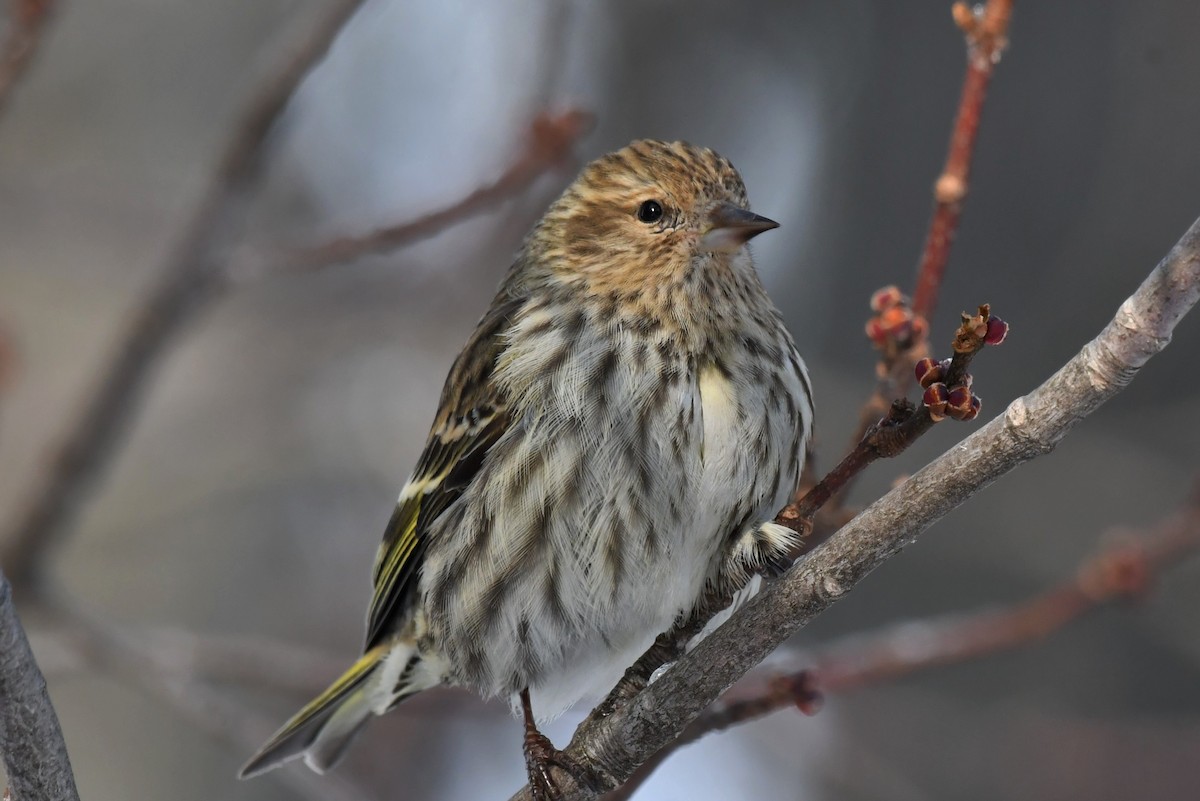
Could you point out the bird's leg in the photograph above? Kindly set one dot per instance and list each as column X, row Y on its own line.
column 541, row 756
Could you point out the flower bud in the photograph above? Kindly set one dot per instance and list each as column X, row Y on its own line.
column 997, row 330
column 973, row 412
column 886, row 298
column 929, row 371
column 958, row 402
column 935, row 399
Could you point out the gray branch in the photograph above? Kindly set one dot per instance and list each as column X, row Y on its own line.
column 35, row 755
column 1031, row 426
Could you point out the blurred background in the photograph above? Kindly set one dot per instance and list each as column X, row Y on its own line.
column 252, row 490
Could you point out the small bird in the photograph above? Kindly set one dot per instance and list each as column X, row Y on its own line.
column 613, row 439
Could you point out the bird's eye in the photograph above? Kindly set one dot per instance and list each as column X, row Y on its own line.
column 651, row 211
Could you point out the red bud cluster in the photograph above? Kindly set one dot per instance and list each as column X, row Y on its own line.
column 931, row 371
column 978, row 330
column 895, row 323
column 959, row 401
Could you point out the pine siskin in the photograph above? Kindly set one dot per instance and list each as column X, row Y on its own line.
column 627, row 413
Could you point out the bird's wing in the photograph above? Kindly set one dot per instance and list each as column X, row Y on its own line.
column 472, row 416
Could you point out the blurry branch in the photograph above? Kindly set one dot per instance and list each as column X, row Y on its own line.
column 1124, row 571
column 218, row 715
column 614, row 746
column 65, row 646
column 188, row 280
column 196, row 273
column 172, row 666
column 31, row 741
column 550, row 144
column 899, row 329
column 9, row 361
column 27, row 21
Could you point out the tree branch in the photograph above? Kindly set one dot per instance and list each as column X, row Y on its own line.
column 27, row 21
column 899, row 328
column 197, row 272
column 189, row 280
column 986, row 30
column 1121, row 572
column 1031, row 426
column 65, row 644
column 31, row 741
column 550, row 144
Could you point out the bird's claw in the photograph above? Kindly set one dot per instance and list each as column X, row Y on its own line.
column 540, row 757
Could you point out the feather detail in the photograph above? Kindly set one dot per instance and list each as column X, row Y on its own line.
column 443, row 474
column 333, row 716
column 471, row 418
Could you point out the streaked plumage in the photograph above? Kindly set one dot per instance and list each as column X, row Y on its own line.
column 624, row 418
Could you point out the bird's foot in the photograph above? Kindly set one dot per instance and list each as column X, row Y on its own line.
column 541, row 757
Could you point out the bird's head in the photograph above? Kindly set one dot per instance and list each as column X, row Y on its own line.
column 650, row 213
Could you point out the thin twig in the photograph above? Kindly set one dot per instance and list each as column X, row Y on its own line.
column 550, row 145
column 902, row 347
column 986, row 31
column 31, row 741
column 616, row 745
column 27, row 21
column 188, row 282
column 901, row 337
column 1121, row 572
column 904, row 424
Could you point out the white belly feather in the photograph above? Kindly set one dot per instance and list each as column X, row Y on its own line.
column 676, row 578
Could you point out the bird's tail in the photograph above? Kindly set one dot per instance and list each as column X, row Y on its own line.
column 322, row 730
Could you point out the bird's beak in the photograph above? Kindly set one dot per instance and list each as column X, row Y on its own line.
column 731, row 227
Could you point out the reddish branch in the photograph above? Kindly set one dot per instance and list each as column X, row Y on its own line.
column 899, row 327
column 26, row 23
column 948, row 393
column 904, row 423
column 987, row 35
column 1125, row 571
column 550, row 144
